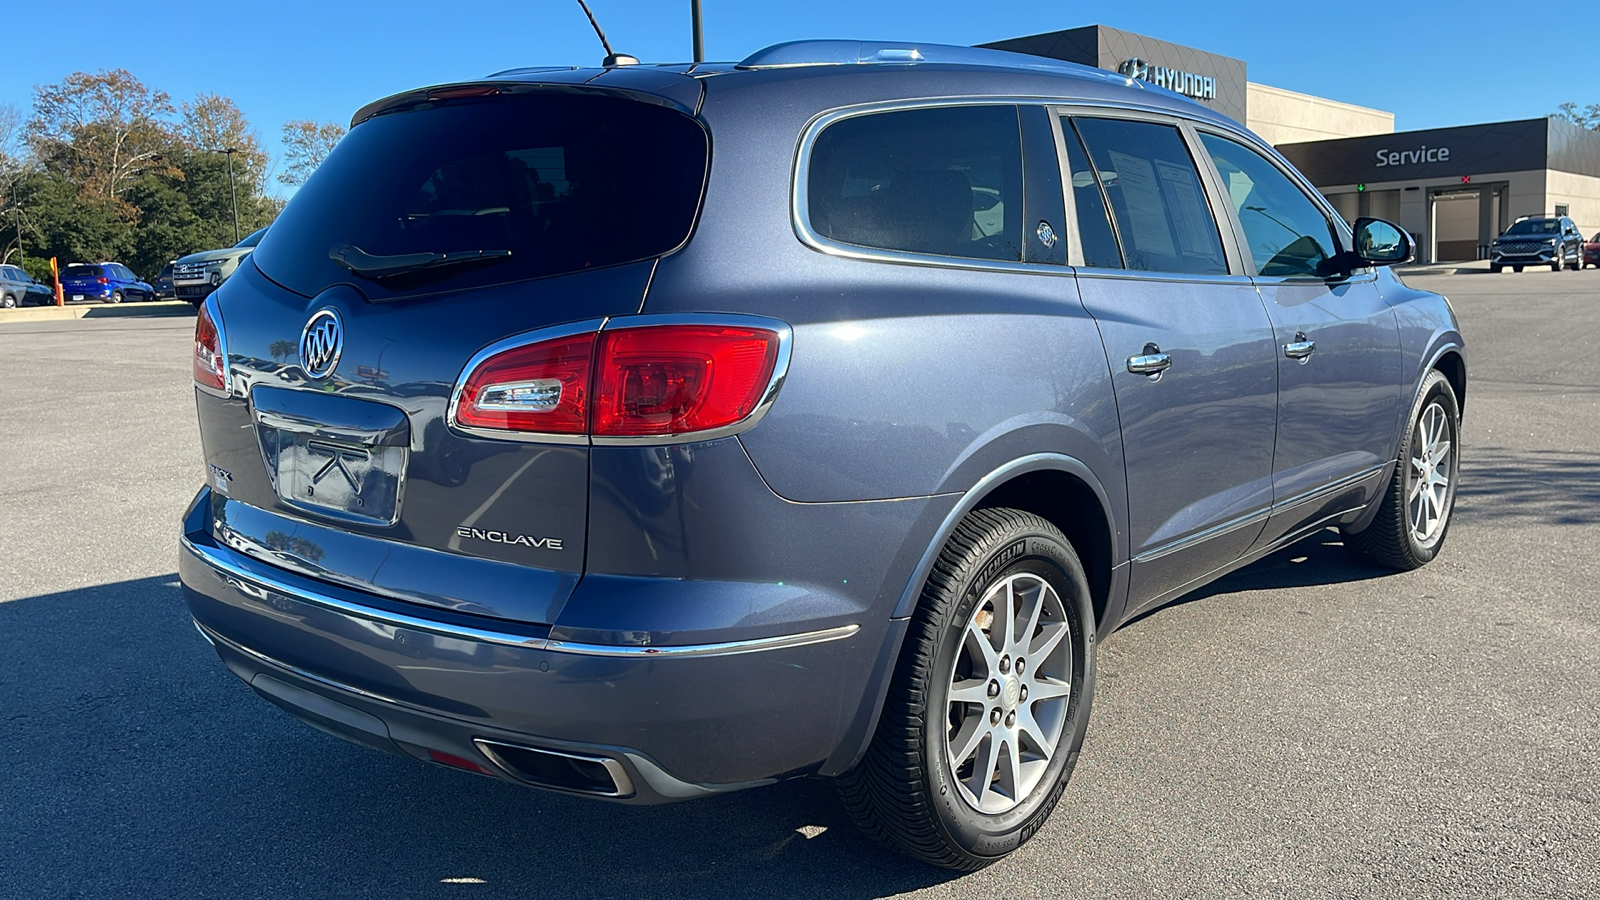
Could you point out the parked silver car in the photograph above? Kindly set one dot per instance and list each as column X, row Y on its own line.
column 18, row 288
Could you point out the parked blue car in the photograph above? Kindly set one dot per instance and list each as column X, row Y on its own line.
column 649, row 433
column 107, row 282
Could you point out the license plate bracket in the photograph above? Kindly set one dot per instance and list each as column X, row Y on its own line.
column 340, row 479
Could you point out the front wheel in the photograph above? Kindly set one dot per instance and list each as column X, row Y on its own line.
column 1516, row 268
column 1495, row 269
column 1414, row 515
column 987, row 709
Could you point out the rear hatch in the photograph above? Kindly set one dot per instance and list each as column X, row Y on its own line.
column 560, row 199
column 82, row 279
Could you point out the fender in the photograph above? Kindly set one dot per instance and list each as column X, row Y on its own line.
column 1444, row 342
column 854, row 742
column 974, row 495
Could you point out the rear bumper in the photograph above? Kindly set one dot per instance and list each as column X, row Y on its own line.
column 673, row 723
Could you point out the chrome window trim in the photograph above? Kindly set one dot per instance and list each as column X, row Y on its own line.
column 1102, row 110
column 769, row 394
column 256, row 586
column 800, row 178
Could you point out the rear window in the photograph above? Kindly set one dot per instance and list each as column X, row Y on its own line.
column 563, row 182
column 83, row 272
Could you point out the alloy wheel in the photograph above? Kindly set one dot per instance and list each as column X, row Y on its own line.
column 1428, row 500
column 1010, row 692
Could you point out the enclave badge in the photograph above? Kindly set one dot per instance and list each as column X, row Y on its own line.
column 320, row 343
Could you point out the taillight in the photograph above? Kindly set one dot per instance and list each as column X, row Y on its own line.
column 673, row 379
column 632, row 382
column 103, row 280
column 210, row 367
column 541, row 387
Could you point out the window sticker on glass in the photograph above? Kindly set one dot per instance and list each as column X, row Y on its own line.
column 1182, row 187
column 1138, row 181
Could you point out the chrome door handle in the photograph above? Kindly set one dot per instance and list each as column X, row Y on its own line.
column 1300, row 348
column 1150, row 362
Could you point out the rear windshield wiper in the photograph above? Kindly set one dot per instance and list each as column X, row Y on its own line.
column 366, row 265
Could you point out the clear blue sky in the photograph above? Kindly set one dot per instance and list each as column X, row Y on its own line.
column 1432, row 64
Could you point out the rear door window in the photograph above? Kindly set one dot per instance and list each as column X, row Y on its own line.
column 1162, row 218
column 944, row 181
column 541, row 184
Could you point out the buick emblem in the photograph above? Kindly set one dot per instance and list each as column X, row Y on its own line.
column 320, row 343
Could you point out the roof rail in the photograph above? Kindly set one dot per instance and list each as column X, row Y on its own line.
column 851, row 53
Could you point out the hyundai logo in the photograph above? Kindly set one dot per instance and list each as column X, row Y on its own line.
column 320, row 343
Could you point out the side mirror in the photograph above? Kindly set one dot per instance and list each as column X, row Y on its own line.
column 1381, row 243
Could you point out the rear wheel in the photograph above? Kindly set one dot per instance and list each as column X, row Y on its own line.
column 1577, row 260
column 1414, row 515
column 987, row 709
column 8, row 302
column 116, row 296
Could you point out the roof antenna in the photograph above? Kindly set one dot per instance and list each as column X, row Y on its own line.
column 612, row 59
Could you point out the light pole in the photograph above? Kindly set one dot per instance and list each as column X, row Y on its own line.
column 232, row 189
column 699, row 42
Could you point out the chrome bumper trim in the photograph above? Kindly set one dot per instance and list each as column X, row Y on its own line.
column 727, row 648
column 257, row 586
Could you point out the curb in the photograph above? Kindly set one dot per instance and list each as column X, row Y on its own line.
column 97, row 311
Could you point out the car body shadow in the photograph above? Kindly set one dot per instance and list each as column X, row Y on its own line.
column 137, row 765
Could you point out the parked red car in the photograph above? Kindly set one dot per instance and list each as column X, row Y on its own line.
column 1591, row 252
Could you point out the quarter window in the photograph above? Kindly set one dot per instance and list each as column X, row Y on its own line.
column 1287, row 234
column 945, row 181
column 1161, row 214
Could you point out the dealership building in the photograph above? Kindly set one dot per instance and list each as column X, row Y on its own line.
column 1454, row 189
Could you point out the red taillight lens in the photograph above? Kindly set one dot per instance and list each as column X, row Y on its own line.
column 542, row 387
column 104, row 280
column 209, row 366
column 672, row 379
column 648, row 381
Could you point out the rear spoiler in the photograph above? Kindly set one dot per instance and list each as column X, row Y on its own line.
column 644, row 84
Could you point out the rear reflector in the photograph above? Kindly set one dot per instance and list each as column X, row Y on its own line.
column 639, row 381
column 210, row 366
column 456, row 762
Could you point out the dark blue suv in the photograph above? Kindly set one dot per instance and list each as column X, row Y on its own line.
column 651, row 432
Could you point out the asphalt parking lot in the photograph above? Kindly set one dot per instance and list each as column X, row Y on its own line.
column 1307, row 727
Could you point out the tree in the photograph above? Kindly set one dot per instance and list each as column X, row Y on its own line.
column 102, row 130
column 12, row 168
column 306, row 144
column 211, row 122
column 1588, row 117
